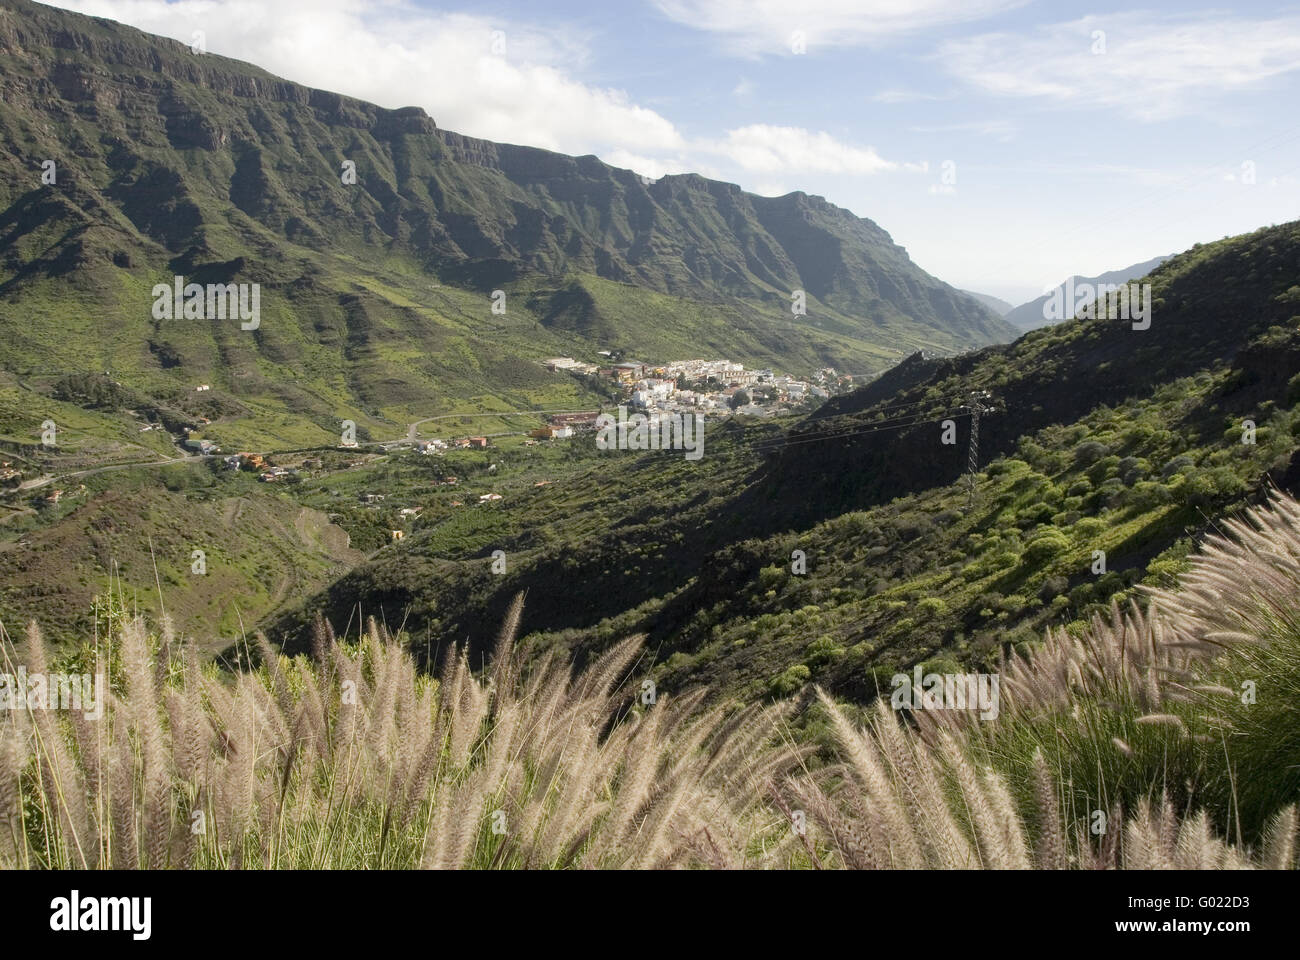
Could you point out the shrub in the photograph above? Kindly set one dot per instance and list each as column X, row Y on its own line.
column 1045, row 547
column 932, row 607
column 1052, row 587
column 1089, row 452
column 791, row 681
column 821, row 651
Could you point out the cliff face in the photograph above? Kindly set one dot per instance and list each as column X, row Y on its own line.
column 119, row 110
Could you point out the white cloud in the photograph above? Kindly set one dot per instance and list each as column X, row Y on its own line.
column 395, row 54
column 758, row 27
column 1002, row 130
column 652, row 167
column 1152, row 68
column 903, row 96
column 762, row 148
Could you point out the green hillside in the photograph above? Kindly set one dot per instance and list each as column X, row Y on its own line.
column 376, row 298
column 1106, row 439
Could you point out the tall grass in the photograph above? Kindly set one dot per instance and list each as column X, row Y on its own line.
column 1196, row 697
column 1136, row 744
column 352, row 759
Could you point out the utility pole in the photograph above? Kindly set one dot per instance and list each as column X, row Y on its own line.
column 977, row 405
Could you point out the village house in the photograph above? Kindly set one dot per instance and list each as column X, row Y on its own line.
column 576, row 421
column 205, row 447
column 568, row 363
column 629, row 372
column 552, row 433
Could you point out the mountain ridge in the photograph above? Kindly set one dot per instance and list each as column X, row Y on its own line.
column 1030, row 315
column 538, row 213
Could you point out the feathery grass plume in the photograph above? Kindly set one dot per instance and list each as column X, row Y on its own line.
column 504, row 661
column 13, row 759
column 1051, row 836
column 978, row 807
column 1014, row 848
column 322, row 642
column 882, row 804
column 68, row 828
column 1280, row 840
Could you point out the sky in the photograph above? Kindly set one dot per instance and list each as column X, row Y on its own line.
column 1006, row 144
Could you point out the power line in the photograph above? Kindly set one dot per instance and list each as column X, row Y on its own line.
column 898, row 423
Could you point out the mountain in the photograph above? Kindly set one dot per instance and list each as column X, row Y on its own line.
column 1030, row 316
column 996, row 304
column 376, row 296
column 1100, row 437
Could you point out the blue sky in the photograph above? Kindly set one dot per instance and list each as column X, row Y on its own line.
column 1005, row 144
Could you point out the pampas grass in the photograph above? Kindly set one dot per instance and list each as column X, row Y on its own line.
column 353, row 759
column 1159, row 737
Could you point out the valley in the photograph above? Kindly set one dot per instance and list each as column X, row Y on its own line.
column 648, row 486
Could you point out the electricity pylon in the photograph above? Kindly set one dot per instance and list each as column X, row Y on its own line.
column 977, row 405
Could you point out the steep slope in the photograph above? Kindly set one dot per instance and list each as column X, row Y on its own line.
column 1211, row 306
column 996, row 304
column 1106, row 438
column 376, row 293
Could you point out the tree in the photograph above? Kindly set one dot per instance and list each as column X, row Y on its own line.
column 738, row 399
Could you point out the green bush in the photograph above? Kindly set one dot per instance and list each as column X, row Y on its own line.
column 790, row 681
column 822, row 651
column 1045, row 547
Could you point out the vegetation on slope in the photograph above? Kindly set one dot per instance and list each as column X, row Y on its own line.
column 376, row 294
column 1104, row 466
column 351, row 758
